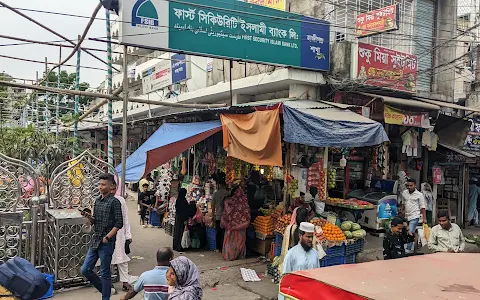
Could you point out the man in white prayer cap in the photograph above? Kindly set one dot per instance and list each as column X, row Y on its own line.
column 302, row 256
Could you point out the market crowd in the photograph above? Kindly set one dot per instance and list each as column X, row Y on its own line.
column 172, row 278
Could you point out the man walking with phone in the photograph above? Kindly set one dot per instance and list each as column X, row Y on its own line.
column 107, row 219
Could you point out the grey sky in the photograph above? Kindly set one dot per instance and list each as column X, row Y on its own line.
column 12, row 24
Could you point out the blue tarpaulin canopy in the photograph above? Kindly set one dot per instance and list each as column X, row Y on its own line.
column 329, row 126
column 167, row 142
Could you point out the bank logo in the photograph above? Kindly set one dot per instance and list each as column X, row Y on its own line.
column 144, row 14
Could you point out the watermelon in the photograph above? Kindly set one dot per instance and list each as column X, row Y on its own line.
column 359, row 234
column 348, row 234
column 347, row 225
column 356, row 226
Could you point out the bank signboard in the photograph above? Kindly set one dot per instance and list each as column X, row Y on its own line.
column 227, row 29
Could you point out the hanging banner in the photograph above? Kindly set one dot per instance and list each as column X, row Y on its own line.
column 386, row 68
column 209, row 64
column 228, row 29
column 400, row 117
column 472, row 142
column 132, row 70
column 170, row 70
column 275, row 4
column 377, row 21
column 437, row 175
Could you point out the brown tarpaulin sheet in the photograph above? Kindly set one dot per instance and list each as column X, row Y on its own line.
column 254, row 138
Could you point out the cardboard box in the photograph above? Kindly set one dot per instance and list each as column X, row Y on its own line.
column 260, row 246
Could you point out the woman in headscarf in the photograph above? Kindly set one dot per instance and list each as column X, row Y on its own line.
column 183, row 276
column 235, row 221
column 182, row 209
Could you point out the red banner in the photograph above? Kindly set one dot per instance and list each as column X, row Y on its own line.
column 377, row 21
column 387, row 68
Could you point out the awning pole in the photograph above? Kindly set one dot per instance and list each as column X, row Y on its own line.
column 124, row 120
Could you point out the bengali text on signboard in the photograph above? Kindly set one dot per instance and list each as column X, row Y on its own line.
column 386, row 68
column 400, row 117
column 377, row 21
column 275, row 4
column 227, row 29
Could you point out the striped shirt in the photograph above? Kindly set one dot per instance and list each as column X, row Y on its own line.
column 154, row 284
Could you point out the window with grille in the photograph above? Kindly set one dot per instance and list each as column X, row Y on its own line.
column 342, row 13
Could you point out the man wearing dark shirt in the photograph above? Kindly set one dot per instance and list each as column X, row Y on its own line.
column 107, row 219
column 145, row 202
column 395, row 240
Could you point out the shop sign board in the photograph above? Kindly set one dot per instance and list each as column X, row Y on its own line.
column 437, row 175
column 387, row 209
column 472, row 141
column 166, row 73
column 227, row 29
column 275, row 4
column 377, row 21
column 386, row 68
column 374, row 110
column 401, row 117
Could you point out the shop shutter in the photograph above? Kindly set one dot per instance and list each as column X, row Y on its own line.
column 423, row 43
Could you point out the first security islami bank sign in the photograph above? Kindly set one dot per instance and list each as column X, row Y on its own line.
column 229, row 29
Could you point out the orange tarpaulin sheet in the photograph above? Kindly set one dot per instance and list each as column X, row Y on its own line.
column 254, row 138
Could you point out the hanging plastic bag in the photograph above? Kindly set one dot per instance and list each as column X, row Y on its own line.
column 186, row 241
column 426, row 231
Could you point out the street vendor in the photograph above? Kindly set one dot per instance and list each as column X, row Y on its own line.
column 446, row 236
column 305, row 202
column 302, row 256
column 395, row 240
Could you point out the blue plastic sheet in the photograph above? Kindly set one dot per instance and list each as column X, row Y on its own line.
column 167, row 134
column 331, row 127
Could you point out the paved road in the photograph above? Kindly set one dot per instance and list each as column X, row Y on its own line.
column 218, row 278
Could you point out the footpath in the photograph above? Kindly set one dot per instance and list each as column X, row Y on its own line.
column 219, row 279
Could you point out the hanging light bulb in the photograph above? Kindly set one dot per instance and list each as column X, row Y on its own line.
column 343, row 162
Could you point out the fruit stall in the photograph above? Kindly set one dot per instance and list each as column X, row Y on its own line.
column 337, row 242
column 351, row 209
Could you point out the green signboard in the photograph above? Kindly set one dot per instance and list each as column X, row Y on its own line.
column 229, row 29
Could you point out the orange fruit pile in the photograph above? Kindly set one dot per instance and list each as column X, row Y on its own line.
column 333, row 233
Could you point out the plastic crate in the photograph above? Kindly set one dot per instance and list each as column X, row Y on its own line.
column 155, row 219
column 50, row 279
column 355, row 247
column 335, row 251
column 212, row 238
column 332, row 261
column 350, row 259
column 278, row 244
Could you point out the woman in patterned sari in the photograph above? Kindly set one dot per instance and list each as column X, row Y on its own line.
column 235, row 221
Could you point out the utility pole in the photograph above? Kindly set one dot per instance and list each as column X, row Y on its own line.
column 46, row 110
column 36, row 106
column 124, row 121
column 109, row 90
column 57, row 117
column 77, row 88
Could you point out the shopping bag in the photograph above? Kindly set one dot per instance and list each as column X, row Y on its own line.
column 426, row 231
column 422, row 241
column 186, row 240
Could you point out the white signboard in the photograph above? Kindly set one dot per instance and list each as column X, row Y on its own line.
column 157, row 77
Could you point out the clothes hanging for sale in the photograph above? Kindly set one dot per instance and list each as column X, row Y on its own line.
column 410, row 143
column 430, row 140
column 254, row 137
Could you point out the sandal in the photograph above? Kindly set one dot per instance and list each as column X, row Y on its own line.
column 126, row 287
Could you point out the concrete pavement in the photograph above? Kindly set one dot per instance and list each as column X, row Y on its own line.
column 219, row 279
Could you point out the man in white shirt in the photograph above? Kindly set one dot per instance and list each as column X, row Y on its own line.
column 414, row 208
column 302, row 256
column 446, row 236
